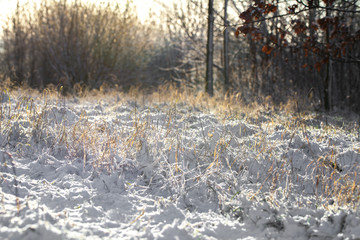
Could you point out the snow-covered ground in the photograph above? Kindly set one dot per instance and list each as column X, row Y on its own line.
column 118, row 169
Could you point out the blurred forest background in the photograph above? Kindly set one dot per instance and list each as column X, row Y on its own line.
column 307, row 51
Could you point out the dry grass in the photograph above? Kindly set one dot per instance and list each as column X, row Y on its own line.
column 27, row 118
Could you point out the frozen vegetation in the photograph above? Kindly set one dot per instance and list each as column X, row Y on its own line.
column 128, row 168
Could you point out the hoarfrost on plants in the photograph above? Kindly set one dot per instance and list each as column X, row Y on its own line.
column 107, row 169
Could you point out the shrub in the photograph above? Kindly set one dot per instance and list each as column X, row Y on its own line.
column 68, row 43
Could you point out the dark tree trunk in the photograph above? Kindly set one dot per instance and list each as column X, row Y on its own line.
column 226, row 49
column 327, row 83
column 209, row 88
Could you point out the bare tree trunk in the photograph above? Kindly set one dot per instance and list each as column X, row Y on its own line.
column 209, row 88
column 327, row 83
column 311, row 59
column 312, row 14
column 226, row 49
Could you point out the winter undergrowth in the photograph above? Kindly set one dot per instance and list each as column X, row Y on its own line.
column 185, row 144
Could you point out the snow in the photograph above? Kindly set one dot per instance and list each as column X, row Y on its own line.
column 111, row 169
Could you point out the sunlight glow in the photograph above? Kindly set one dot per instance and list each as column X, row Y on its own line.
column 143, row 7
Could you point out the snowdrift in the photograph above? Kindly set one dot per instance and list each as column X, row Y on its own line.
column 79, row 169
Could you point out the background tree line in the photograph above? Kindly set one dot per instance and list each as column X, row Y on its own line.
column 307, row 50
column 280, row 50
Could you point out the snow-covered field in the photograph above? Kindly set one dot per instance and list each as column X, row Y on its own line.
column 121, row 169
